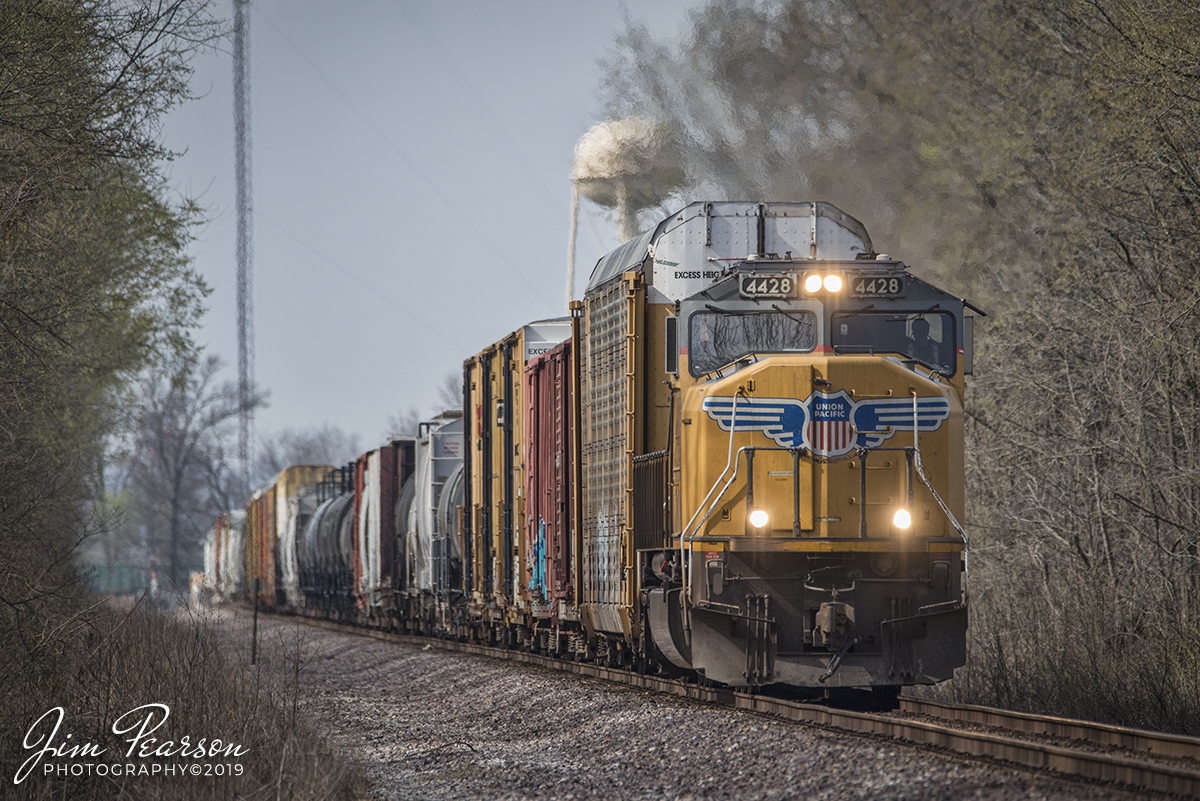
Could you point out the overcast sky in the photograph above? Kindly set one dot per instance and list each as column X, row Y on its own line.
column 411, row 198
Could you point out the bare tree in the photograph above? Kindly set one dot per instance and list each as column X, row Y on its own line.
column 405, row 422
column 95, row 279
column 328, row 444
column 179, row 475
column 449, row 391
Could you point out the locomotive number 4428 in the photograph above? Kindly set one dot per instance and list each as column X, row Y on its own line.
column 869, row 286
column 769, row 286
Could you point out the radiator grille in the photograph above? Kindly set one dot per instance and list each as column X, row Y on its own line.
column 650, row 500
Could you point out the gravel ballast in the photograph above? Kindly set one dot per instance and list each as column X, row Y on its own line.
column 431, row 724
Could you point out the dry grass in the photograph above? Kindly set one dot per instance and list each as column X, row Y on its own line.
column 111, row 661
column 1080, row 650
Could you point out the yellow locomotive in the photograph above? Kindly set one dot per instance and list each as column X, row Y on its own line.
column 762, row 467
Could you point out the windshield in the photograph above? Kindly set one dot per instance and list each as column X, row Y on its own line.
column 927, row 337
column 717, row 338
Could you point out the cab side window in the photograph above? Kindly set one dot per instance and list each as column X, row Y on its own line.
column 927, row 337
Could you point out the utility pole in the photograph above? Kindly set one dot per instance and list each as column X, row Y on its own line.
column 245, row 244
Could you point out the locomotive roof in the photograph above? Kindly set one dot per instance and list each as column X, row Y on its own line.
column 711, row 234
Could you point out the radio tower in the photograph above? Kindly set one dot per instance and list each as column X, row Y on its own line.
column 245, row 249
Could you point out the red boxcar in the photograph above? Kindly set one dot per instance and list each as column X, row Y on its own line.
column 548, row 521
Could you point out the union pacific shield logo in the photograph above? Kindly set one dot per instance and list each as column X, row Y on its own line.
column 827, row 424
column 828, row 430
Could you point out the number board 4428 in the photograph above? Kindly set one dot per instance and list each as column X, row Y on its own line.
column 876, row 286
column 776, row 285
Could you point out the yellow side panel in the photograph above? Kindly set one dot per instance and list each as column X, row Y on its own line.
column 707, row 449
column 479, row 473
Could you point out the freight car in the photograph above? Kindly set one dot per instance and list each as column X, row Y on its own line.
column 269, row 534
column 224, row 559
column 740, row 458
column 429, row 543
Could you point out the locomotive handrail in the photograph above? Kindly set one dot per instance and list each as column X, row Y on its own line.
column 945, row 509
column 736, row 471
column 689, row 537
column 915, row 464
column 684, row 539
column 916, row 429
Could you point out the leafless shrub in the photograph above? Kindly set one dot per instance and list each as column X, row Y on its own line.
column 116, row 661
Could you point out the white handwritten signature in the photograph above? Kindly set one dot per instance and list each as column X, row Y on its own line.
column 140, row 723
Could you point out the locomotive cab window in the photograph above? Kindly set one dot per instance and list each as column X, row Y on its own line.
column 717, row 338
column 927, row 337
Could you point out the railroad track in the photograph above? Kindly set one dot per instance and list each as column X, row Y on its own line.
column 1143, row 760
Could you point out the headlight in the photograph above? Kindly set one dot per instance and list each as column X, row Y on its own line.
column 758, row 518
column 902, row 519
column 816, row 282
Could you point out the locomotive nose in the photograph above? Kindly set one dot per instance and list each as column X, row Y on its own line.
column 822, row 446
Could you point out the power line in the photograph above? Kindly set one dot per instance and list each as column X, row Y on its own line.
column 506, row 141
column 481, row 105
column 374, row 292
column 399, row 153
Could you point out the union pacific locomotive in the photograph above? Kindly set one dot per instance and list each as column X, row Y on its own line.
column 740, row 458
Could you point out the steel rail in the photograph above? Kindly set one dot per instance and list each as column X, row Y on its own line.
column 1176, row 746
column 1066, row 761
